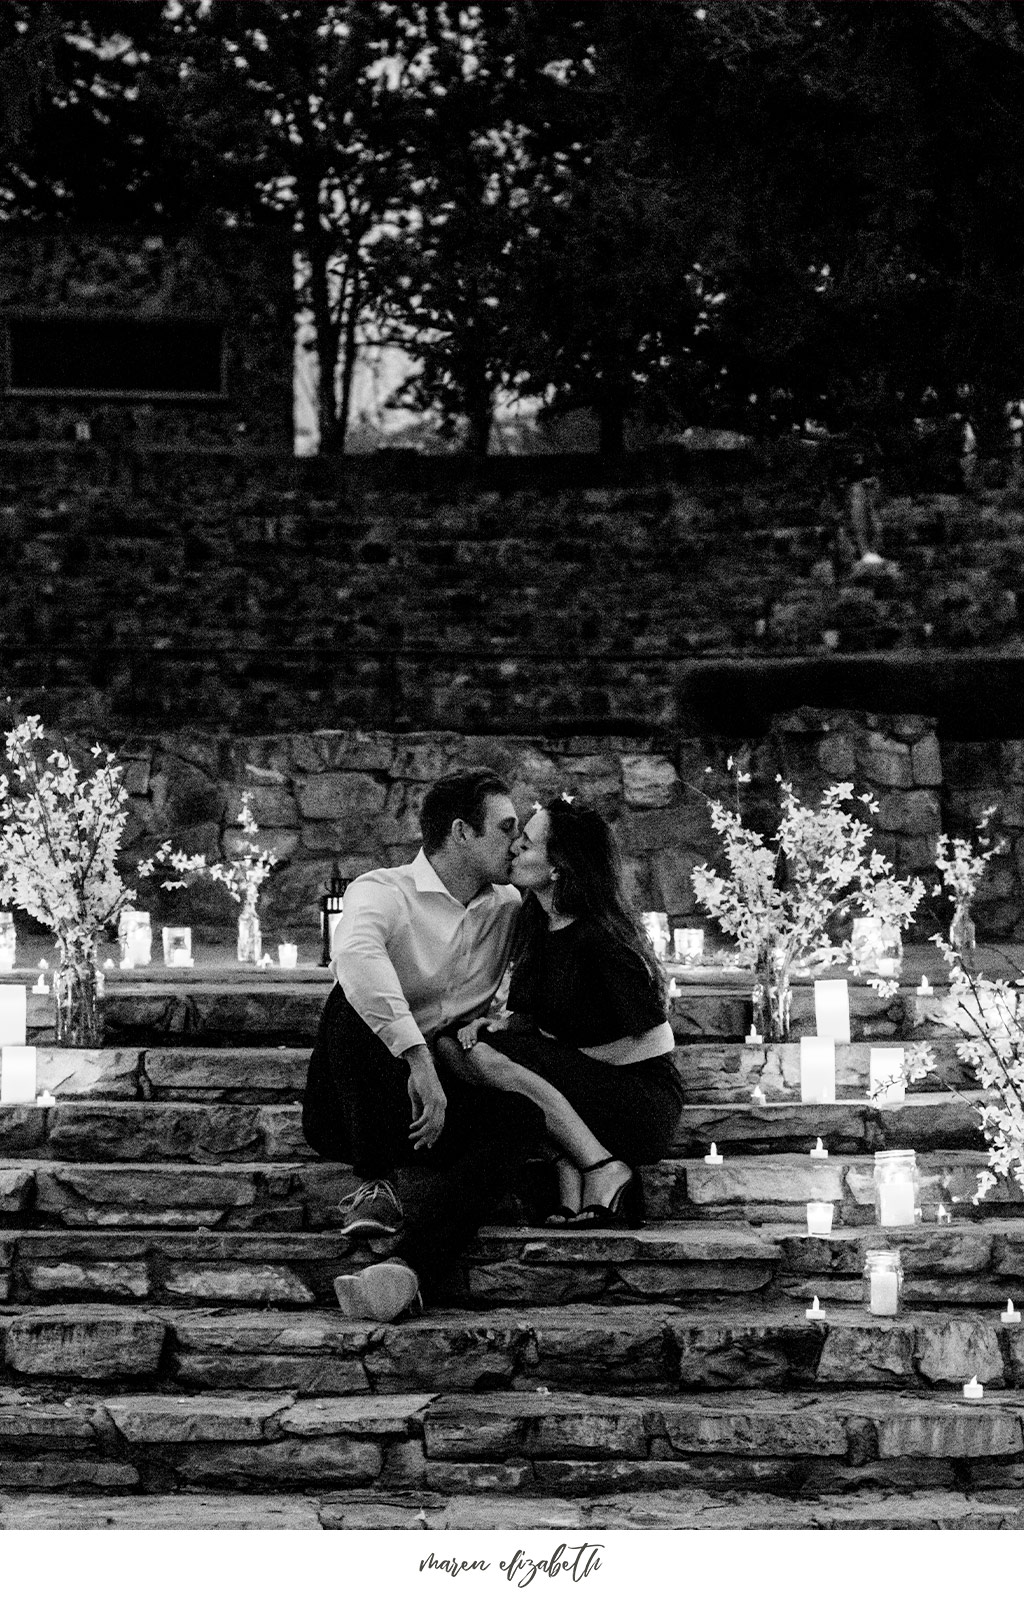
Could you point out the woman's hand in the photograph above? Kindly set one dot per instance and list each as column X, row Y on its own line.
column 468, row 1035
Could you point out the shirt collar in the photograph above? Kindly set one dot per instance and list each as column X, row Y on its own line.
column 428, row 882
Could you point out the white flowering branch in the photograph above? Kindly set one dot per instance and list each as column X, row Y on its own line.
column 243, row 877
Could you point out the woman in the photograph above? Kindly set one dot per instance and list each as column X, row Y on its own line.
column 587, row 1038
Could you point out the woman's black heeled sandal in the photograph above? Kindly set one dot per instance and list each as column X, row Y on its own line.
column 562, row 1215
column 625, row 1209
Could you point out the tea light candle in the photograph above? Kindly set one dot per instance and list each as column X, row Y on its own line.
column 45, row 1099
column 817, row 1070
column 13, row 1013
column 713, row 1159
column 108, row 965
column 288, row 955
column 758, row 1096
column 44, row 964
column 40, row 986
column 819, row 1153
column 885, row 1291
column 753, row 1037
column 814, row 1312
column 886, row 1082
column 819, row 1217
column 924, row 988
column 177, row 943
column 973, row 1390
column 1009, row 1315
column 17, row 1074
column 832, row 1009
column 674, row 990
column 942, row 1215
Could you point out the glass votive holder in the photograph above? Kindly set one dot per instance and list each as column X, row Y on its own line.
column 135, row 937
column 897, row 1189
column 288, row 955
column 656, row 928
column 8, row 941
column 177, row 944
column 688, row 945
column 883, row 1282
column 819, row 1218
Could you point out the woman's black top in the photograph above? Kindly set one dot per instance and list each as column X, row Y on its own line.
column 585, row 988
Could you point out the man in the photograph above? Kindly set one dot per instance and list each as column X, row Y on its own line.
column 420, row 950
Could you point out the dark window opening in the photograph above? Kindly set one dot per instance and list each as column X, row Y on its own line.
column 176, row 358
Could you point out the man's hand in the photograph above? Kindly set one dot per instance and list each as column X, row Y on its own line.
column 426, row 1097
column 468, row 1035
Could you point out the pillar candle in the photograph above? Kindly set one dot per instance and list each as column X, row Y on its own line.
column 17, row 1073
column 884, row 1294
column 896, row 1204
column 288, row 954
column 819, row 1217
column 832, row 1009
column 817, row 1069
column 13, row 1013
column 885, row 1066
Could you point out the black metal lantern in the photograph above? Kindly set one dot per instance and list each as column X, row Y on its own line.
column 330, row 913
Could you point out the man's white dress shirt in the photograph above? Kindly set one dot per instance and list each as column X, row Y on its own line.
column 412, row 959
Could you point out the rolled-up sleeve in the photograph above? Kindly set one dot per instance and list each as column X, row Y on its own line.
column 362, row 966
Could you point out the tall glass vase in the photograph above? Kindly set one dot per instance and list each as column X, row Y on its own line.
column 961, row 930
column 250, row 939
column 78, row 1018
column 772, row 995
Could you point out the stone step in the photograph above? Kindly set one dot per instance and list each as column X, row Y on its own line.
column 208, row 1133
column 970, row 1264
column 268, row 1196
column 532, row 1443
column 282, row 1011
column 287, row 1196
column 656, row 1349
column 777, row 1187
column 669, row 1510
column 716, row 1073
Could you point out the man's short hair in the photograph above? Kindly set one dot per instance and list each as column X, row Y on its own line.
column 464, row 794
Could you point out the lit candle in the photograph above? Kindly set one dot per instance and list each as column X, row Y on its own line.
column 884, row 1293
column 942, row 1215
column 819, row 1153
column 44, row 964
column 886, row 1082
column 885, row 966
column 758, row 1096
column 13, row 1013
column 108, row 964
column 973, row 1390
column 1009, row 1315
column 713, row 1159
column 288, row 954
column 819, row 1217
column 896, row 1204
column 127, row 964
column 814, row 1312
column 688, row 944
column 45, row 1099
column 674, row 990
column 817, row 1069
column 924, row 988
column 40, row 986
column 832, row 1009
column 17, row 1074
column 177, row 943
column 753, row 1037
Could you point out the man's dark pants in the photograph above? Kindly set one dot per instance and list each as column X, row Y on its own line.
column 356, row 1109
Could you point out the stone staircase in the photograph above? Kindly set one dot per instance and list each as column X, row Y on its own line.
column 172, row 1355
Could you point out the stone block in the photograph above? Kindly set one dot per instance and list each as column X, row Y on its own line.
column 333, row 795
column 423, row 758
column 836, row 756
column 385, row 1415
column 66, row 1472
column 882, row 1355
column 475, row 1428
column 85, row 1343
column 910, row 811
column 313, row 1462
column 774, row 1427
column 715, row 1355
column 649, row 781
column 885, row 762
column 107, row 1280
column 89, row 1074
column 478, row 1477
column 955, row 1350
column 671, row 876
column 329, row 751
column 272, row 806
column 967, row 1429
column 17, row 1188
column 240, row 1284
column 926, row 762
column 737, row 1181
column 452, row 1356
column 399, row 823
column 597, row 779
column 176, row 1419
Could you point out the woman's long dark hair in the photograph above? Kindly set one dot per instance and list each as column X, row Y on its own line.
column 590, row 883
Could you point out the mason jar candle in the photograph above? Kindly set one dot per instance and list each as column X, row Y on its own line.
column 883, row 1282
column 8, row 941
column 897, row 1184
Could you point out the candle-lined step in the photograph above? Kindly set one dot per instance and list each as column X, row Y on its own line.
column 426, row 1510
column 265, row 1075
column 562, row 1444
column 638, row 1350
column 927, row 1121
column 726, row 1073
column 777, row 1188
